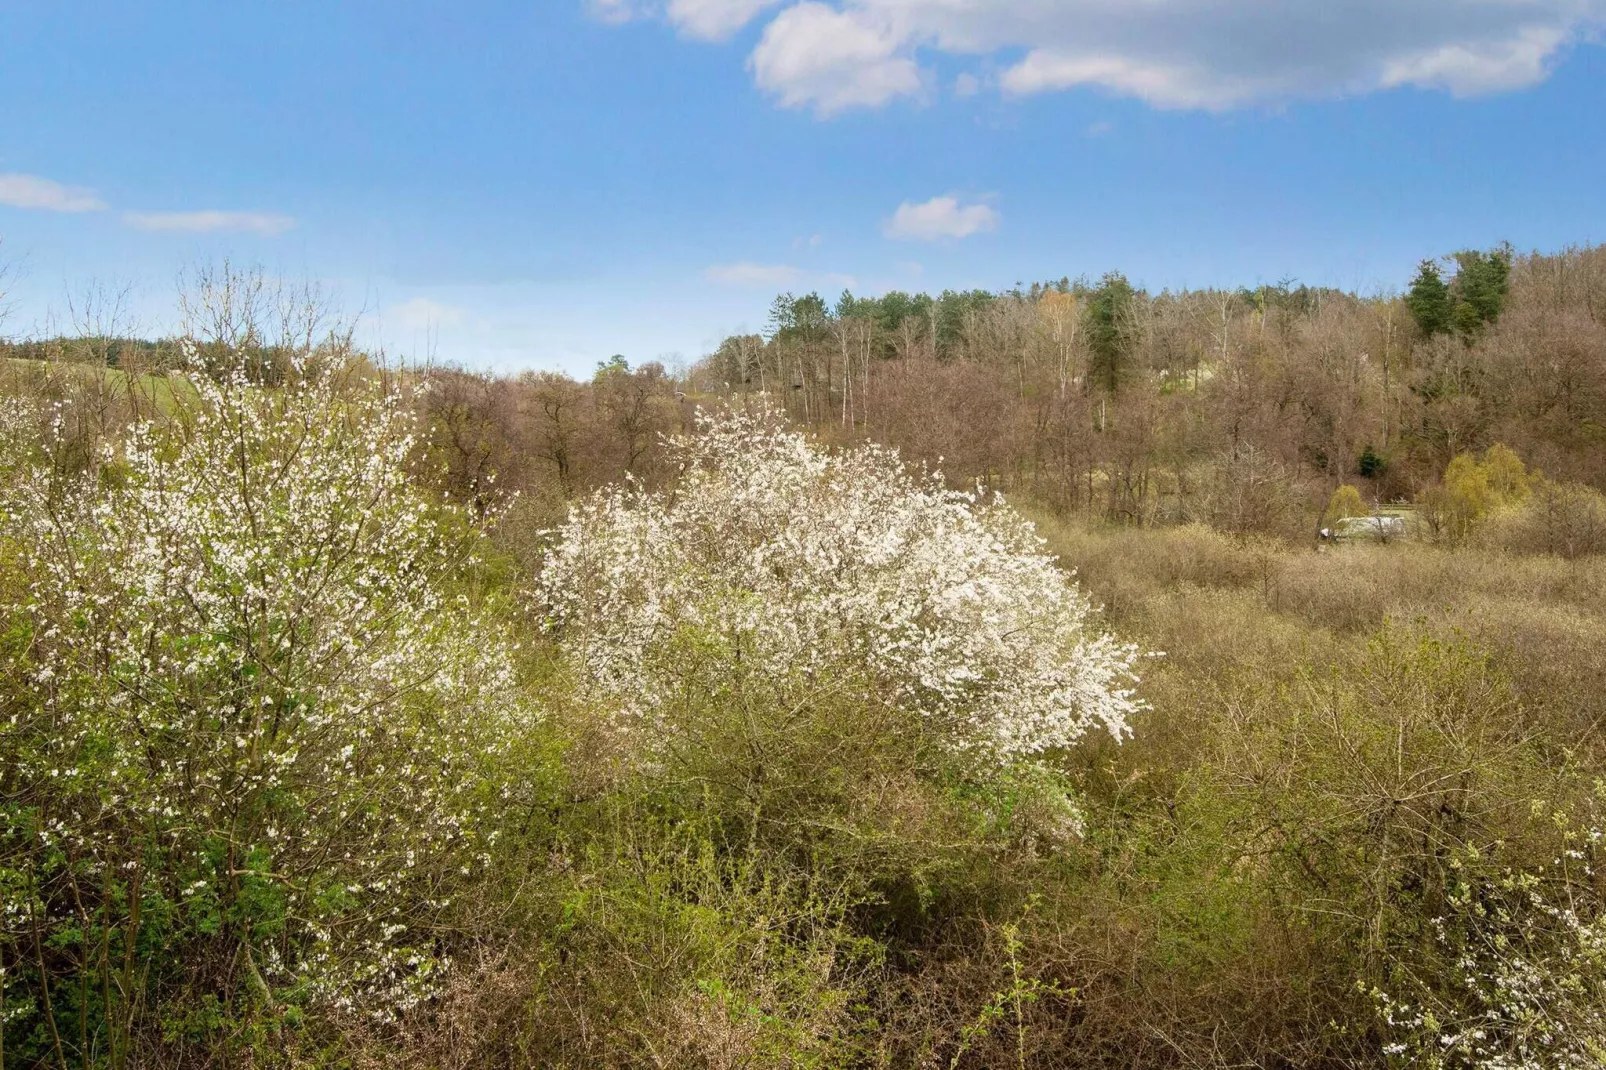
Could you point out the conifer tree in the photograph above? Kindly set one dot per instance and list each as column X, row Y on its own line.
column 1107, row 312
column 1479, row 290
column 1429, row 300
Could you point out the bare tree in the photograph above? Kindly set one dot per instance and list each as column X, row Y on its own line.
column 101, row 321
column 555, row 402
column 236, row 314
column 637, row 408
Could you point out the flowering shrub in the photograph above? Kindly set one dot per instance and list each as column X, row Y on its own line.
column 1524, row 984
column 247, row 719
column 776, row 557
column 21, row 420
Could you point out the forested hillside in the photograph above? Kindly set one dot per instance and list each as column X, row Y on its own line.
column 1243, row 409
column 926, row 682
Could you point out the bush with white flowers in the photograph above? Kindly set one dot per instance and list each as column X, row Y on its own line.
column 1516, row 977
column 248, row 721
column 773, row 555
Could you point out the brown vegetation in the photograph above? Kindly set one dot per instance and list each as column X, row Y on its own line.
column 1354, row 755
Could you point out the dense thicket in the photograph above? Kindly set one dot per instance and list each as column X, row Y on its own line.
column 356, row 716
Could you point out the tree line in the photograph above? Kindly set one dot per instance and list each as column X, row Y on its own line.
column 1244, row 409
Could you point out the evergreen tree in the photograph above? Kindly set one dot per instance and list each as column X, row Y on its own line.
column 801, row 317
column 1429, row 300
column 1108, row 315
column 953, row 308
column 1480, row 288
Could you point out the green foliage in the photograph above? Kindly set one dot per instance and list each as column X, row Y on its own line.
column 1479, row 290
column 1355, row 823
column 801, row 318
column 1564, row 519
column 679, row 945
column 614, row 365
column 1345, row 502
column 1470, row 302
column 1429, row 300
column 1472, row 489
column 1371, row 464
column 955, row 309
column 1516, row 971
column 1507, row 477
column 250, row 726
column 1108, row 330
column 1284, row 296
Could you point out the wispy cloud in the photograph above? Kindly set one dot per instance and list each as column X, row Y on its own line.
column 31, row 191
column 748, row 275
column 615, row 11
column 19, row 190
column 707, row 20
column 940, row 218
column 267, row 224
column 757, row 276
column 423, row 314
column 715, row 20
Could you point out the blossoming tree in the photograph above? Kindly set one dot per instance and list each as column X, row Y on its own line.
column 776, row 557
column 248, row 717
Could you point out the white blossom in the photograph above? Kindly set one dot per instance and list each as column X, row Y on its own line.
column 239, row 623
column 801, row 562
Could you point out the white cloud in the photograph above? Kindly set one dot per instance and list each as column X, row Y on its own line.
column 814, row 55
column 423, row 314
column 715, row 20
column 758, row 276
column 707, row 20
column 1191, row 54
column 967, row 85
column 1158, row 84
column 615, row 12
column 938, row 219
column 751, row 276
column 266, row 224
column 1469, row 69
column 31, row 191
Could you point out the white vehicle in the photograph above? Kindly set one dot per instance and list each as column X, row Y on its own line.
column 1380, row 528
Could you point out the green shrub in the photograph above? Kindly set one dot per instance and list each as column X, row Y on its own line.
column 250, row 730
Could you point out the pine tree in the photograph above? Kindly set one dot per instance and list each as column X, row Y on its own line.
column 1479, row 290
column 1107, row 315
column 1429, row 300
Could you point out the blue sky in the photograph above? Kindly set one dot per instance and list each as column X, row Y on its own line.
column 543, row 183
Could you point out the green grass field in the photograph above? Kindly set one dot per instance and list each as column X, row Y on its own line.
column 145, row 391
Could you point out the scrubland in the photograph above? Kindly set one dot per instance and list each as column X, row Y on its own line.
column 734, row 740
